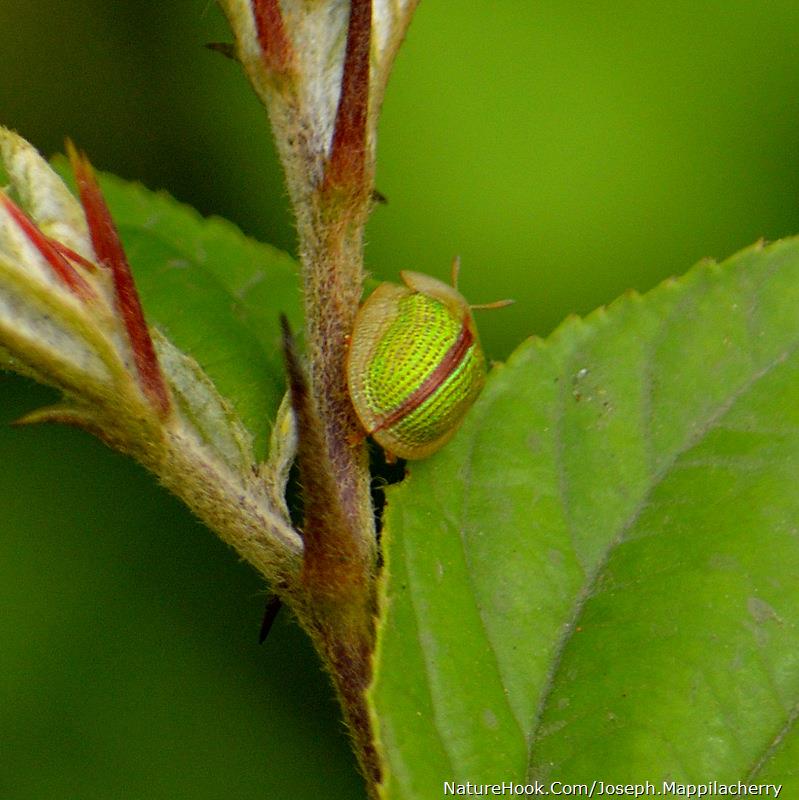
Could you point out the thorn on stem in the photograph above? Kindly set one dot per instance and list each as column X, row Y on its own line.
column 226, row 49
column 379, row 198
column 273, row 606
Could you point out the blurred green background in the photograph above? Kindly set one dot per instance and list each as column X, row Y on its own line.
column 567, row 152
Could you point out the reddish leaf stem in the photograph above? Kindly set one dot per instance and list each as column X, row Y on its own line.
column 109, row 251
column 68, row 275
column 346, row 166
column 275, row 45
column 333, row 269
column 332, row 568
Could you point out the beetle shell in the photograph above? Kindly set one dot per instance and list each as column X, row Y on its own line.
column 415, row 364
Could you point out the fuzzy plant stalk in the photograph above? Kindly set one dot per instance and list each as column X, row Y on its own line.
column 70, row 317
column 321, row 69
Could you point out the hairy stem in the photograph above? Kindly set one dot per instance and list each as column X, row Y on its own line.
column 323, row 105
column 339, row 568
column 333, row 270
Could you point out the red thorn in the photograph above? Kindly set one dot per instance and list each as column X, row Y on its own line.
column 275, row 45
column 346, row 165
column 60, row 266
column 109, row 252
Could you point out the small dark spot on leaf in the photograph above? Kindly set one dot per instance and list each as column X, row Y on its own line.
column 761, row 611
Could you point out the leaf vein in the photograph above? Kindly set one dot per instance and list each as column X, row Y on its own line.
column 696, row 436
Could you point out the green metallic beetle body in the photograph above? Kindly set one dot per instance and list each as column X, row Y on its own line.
column 415, row 365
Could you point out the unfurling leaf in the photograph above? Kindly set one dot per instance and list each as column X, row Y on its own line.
column 71, row 317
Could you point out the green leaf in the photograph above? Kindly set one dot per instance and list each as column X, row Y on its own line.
column 597, row 579
column 213, row 292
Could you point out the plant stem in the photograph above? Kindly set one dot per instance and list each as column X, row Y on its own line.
column 291, row 53
column 333, row 270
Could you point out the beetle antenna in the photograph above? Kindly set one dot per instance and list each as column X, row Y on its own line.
column 455, row 270
column 495, row 304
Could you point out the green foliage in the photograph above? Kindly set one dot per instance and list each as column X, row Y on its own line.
column 588, row 205
column 597, row 573
column 213, row 292
column 597, row 577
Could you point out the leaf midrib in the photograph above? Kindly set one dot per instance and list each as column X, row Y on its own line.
column 774, row 745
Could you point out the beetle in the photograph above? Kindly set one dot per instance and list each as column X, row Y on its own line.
column 415, row 365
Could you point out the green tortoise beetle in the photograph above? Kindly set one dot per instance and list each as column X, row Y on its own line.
column 415, row 364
